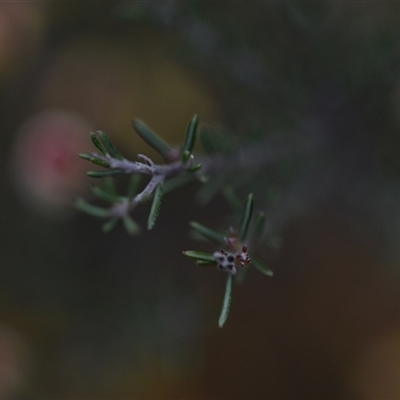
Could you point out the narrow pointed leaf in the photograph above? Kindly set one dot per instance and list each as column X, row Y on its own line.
column 85, row 156
column 155, row 207
column 109, row 172
column 130, row 225
column 104, row 194
column 93, row 159
column 110, row 146
column 206, row 263
column 110, row 225
column 199, row 256
column 185, row 156
column 97, row 143
column 226, row 305
column 195, row 168
column 151, row 138
column 232, row 199
column 246, row 217
column 261, row 267
column 90, row 209
column 99, row 162
column 108, row 185
column 208, row 233
column 190, row 139
column 133, row 185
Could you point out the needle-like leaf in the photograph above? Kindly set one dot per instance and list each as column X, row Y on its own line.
column 130, row 225
column 110, row 225
column 97, row 143
column 226, row 305
column 195, row 168
column 104, row 194
column 208, row 233
column 206, row 263
column 108, row 172
column 95, row 211
column 93, row 159
column 261, row 267
column 190, row 139
column 246, row 217
column 151, row 138
column 110, row 146
column 200, row 256
column 155, row 207
column 133, row 185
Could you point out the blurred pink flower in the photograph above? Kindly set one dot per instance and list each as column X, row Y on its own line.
column 45, row 166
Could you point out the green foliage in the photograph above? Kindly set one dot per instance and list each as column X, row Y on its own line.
column 176, row 172
column 190, row 140
column 200, row 257
column 208, row 233
column 103, row 174
column 235, row 252
column 155, row 206
column 234, row 257
column 151, row 138
column 109, row 146
column 226, row 305
column 247, row 214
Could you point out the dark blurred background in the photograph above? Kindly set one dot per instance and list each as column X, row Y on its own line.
column 87, row 315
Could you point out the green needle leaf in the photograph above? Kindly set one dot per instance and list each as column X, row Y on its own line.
column 108, row 185
column 195, row 168
column 155, row 207
column 102, row 174
column 206, row 263
column 246, row 217
column 190, row 139
column 208, row 233
column 93, row 159
column 97, row 143
column 109, row 145
column 110, row 225
column 200, row 256
column 185, row 156
column 104, row 194
column 133, row 185
column 261, row 267
column 90, row 209
column 226, row 305
column 130, row 225
column 151, row 138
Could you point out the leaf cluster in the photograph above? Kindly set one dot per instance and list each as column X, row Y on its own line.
column 236, row 245
column 233, row 242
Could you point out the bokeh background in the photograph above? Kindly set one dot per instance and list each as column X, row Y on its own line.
column 87, row 315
